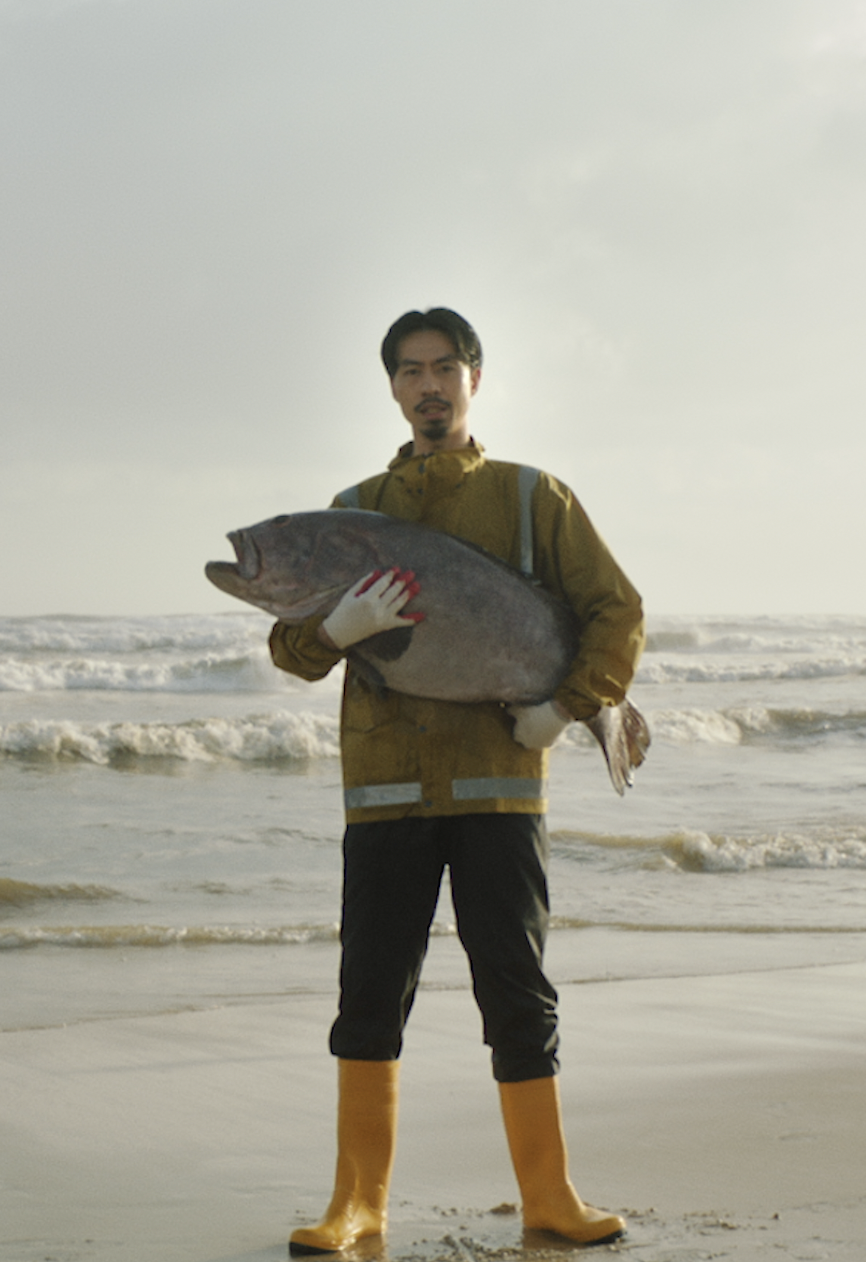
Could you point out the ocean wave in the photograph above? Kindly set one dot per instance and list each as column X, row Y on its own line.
column 280, row 735
column 252, row 671
column 26, row 893
column 248, row 668
column 212, row 653
column 644, row 926
column 693, row 726
column 107, row 937
column 156, row 937
column 237, row 630
column 752, row 670
column 712, row 650
column 753, row 724
column 700, row 852
column 763, row 636
column 227, row 652
column 803, row 723
column 254, row 738
column 171, row 633
column 824, row 848
column 737, row 725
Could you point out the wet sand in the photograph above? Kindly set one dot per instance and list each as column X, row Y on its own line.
column 723, row 1115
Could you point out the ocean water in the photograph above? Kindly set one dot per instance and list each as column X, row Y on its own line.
column 171, row 815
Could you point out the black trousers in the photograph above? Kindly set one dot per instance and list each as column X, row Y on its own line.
column 391, row 876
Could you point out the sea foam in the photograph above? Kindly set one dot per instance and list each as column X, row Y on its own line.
column 253, row 738
column 699, row 852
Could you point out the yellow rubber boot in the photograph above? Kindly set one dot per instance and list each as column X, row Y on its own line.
column 533, row 1124
column 366, row 1139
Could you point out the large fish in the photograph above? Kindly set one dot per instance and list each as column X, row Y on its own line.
column 488, row 634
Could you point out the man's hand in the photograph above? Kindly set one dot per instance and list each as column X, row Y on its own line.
column 537, row 726
column 371, row 606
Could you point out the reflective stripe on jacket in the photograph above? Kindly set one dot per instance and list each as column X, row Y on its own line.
column 409, row 756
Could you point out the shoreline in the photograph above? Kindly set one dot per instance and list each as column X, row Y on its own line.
column 50, row 986
column 720, row 1113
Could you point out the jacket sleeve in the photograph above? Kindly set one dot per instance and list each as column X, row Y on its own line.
column 299, row 650
column 573, row 562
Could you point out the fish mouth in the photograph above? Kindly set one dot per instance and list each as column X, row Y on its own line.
column 225, row 574
column 249, row 564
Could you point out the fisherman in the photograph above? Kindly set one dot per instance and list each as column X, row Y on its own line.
column 435, row 783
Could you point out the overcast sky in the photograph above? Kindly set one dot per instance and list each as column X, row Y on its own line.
column 651, row 210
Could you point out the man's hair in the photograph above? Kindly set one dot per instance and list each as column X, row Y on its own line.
column 459, row 332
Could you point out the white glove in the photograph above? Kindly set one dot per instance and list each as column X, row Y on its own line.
column 371, row 606
column 537, row 726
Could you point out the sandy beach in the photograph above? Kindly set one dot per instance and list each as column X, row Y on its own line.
column 722, row 1114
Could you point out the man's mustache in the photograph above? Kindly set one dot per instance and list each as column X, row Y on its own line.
column 437, row 402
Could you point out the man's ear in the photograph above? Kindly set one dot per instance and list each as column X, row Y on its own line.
column 475, row 380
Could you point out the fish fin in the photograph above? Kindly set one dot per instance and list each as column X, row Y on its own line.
column 389, row 645
column 624, row 737
column 637, row 732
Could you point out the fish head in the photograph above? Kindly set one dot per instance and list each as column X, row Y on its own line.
column 296, row 565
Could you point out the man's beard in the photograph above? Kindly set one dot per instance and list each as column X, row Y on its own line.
column 435, row 428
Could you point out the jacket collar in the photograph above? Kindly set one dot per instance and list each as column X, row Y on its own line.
column 449, row 465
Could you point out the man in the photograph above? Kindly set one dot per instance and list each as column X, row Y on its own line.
column 430, row 783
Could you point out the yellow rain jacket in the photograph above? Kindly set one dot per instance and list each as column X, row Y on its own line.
column 405, row 756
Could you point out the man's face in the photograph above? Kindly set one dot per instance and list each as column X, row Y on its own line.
column 434, row 389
